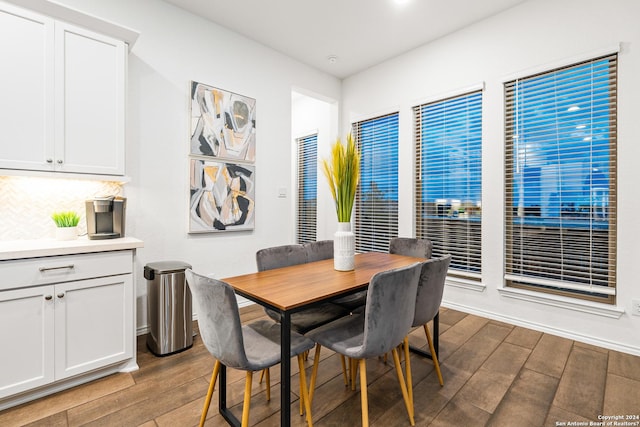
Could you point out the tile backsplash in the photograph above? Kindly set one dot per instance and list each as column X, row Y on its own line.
column 26, row 203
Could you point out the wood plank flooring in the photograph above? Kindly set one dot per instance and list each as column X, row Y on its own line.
column 495, row 374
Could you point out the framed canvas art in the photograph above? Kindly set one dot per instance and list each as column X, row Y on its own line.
column 222, row 196
column 223, row 124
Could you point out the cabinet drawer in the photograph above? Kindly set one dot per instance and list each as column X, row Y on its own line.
column 56, row 269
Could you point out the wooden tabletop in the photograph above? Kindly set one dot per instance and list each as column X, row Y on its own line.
column 298, row 285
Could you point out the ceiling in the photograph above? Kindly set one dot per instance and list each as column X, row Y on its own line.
column 357, row 34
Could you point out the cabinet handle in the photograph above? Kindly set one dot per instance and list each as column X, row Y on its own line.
column 43, row 269
column 61, row 295
column 59, row 161
column 48, row 297
column 49, row 160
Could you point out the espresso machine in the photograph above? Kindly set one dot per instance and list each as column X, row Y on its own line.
column 105, row 217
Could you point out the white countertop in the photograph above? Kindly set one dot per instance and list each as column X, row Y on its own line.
column 18, row 249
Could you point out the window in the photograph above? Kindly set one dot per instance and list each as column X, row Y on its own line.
column 561, row 181
column 449, row 180
column 376, row 204
column 307, row 188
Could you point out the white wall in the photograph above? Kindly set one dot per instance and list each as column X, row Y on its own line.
column 534, row 34
column 312, row 115
column 174, row 48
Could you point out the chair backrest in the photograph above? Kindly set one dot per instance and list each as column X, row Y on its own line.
column 419, row 248
column 280, row 256
column 218, row 319
column 389, row 309
column 430, row 289
column 317, row 251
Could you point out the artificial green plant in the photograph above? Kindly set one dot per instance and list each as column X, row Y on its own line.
column 65, row 218
column 342, row 171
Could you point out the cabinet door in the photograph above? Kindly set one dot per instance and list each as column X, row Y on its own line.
column 93, row 322
column 27, row 337
column 26, row 85
column 90, row 100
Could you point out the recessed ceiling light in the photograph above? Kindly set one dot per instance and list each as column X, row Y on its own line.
column 400, row 2
column 332, row 59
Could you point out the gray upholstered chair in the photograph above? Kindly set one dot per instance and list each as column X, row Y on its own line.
column 302, row 321
column 318, row 251
column 250, row 348
column 284, row 256
column 382, row 326
column 409, row 246
column 428, row 299
column 280, row 256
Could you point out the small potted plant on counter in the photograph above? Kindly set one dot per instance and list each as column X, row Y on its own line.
column 67, row 224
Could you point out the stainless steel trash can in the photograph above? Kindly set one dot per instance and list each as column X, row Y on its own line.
column 168, row 307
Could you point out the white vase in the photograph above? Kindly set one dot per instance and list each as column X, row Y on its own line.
column 66, row 233
column 344, row 247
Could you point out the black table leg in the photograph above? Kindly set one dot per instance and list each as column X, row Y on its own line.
column 436, row 340
column 222, row 398
column 285, row 370
column 436, row 333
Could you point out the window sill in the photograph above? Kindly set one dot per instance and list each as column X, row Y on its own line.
column 563, row 302
column 463, row 283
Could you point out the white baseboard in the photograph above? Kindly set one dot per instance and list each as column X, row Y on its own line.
column 610, row 345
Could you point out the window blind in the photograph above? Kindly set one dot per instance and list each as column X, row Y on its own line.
column 376, row 204
column 449, row 180
column 560, row 166
column 306, row 220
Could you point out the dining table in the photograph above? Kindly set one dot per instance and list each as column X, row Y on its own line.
column 288, row 290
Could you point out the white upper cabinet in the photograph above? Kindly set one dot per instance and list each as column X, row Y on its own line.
column 89, row 100
column 63, row 96
column 26, row 85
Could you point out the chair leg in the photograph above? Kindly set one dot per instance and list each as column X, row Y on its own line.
column 314, row 373
column 436, row 364
column 304, row 395
column 344, row 371
column 247, row 399
column 212, row 385
column 407, row 367
column 301, row 400
column 403, row 386
column 363, row 393
column 268, row 379
column 262, row 375
column 353, row 367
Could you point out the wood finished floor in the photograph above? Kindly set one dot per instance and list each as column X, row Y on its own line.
column 495, row 374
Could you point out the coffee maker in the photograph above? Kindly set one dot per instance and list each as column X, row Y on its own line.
column 105, row 217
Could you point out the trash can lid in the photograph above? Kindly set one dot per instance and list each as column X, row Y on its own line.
column 167, row 266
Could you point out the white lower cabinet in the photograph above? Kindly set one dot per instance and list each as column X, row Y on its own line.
column 54, row 333
column 92, row 324
column 27, row 337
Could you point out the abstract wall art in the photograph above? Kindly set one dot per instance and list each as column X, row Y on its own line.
column 223, row 124
column 222, row 196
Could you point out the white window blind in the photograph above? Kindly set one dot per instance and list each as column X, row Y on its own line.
column 449, row 180
column 560, row 139
column 307, row 188
column 376, row 204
